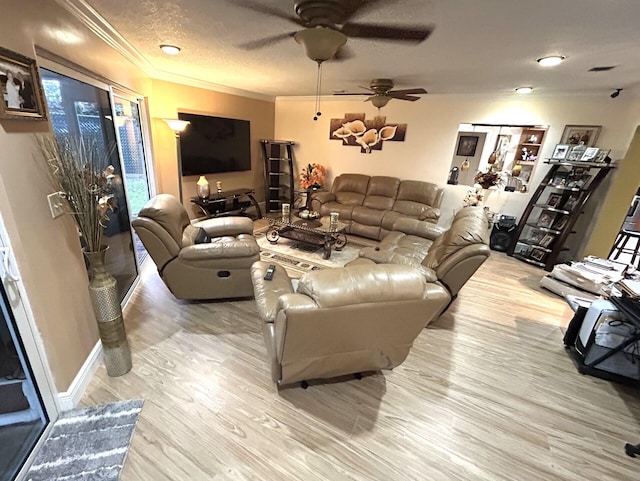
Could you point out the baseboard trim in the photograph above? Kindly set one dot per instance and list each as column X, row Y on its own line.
column 70, row 398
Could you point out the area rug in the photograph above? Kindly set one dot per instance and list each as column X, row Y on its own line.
column 298, row 257
column 88, row 444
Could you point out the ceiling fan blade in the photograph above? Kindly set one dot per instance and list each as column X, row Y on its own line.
column 343, row 53
column 346, row 93
column 407, row 91
column 416, row 33
column 358, row 8
column 265, row 42
column 404, row 97
column 262, row 8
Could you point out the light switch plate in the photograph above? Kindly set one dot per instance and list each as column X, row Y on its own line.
column 56, row 204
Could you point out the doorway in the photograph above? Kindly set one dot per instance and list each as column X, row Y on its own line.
column 23, row 413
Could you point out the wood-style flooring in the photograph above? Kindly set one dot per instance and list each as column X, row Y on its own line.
column 487, row 393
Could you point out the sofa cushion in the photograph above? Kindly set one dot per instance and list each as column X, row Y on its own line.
column 349, row 198
column 362, row 284
column 421, row 192
column 366, row 216
column 357, row 183
column 344, row 211
column 381, row 193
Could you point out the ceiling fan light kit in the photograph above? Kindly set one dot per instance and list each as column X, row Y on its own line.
column 320, row 43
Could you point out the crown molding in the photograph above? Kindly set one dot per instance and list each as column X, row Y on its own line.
column 91, row 19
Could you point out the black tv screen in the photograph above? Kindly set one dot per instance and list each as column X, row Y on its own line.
column 214, row 144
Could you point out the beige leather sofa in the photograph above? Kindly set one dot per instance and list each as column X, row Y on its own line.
column 342, row 321
column 216, row 269
column 449, row 257
column 371, row 206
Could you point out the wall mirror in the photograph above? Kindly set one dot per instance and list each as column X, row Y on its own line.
column 499, row 156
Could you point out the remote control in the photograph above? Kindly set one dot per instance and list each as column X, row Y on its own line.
column 269, row 275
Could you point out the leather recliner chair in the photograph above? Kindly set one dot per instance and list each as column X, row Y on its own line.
column 216, row 269
column 343, row 321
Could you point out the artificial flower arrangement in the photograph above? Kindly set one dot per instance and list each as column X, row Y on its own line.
column 487, row 179
column 312, row 176
column 473, row 198
column 88, row 189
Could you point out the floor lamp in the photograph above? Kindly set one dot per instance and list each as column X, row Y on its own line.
column 178, row 126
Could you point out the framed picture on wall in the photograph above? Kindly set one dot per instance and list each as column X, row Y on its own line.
column 581, row 134
column 22, row 96
column 467, row 145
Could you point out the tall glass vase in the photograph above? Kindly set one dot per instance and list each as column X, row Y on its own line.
column 106, row 305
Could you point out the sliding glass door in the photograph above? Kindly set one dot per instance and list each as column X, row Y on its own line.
column 132, row 152
column 82, row 110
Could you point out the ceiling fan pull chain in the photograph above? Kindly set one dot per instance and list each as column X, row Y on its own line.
column 318, row 87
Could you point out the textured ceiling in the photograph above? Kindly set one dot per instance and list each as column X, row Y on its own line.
column 478, row 46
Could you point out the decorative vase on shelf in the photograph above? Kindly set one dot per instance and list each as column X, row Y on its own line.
column 203, row 187
column 106, row 305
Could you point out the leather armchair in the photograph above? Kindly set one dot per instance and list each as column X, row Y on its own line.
column 217, row 269
column 343, row 321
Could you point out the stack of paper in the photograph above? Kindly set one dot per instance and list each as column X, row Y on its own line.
column 629, row 287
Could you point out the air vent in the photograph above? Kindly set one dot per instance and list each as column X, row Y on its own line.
column 602, row 69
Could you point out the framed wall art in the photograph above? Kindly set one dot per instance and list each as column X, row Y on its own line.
column 581, row 134
column 22, row 96
column 467, row 145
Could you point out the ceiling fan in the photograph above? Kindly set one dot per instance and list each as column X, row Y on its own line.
column 380, row 92
column 327, row 26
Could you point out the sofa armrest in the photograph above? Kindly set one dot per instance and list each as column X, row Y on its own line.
column 267, row 293
column 418, row 228
column 387, row 257
column 221, row 226
column 430, row 214
column 323, row 197
column 223, row 249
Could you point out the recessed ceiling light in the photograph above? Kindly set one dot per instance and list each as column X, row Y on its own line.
column 170, row 49
column 524, row 90
column 550, row 61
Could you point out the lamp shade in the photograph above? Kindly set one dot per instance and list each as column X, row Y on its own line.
column 177, row 125
column 320, row 43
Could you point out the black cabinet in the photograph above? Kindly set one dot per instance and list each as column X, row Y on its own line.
column 278, row 171
column 554, row 209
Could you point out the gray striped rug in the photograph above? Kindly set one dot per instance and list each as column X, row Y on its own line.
column 87, row 444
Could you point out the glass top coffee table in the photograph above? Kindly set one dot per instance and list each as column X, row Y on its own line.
column 317, row 232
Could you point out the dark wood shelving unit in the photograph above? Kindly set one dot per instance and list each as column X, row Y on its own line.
column 554, row 209
column 278, row 173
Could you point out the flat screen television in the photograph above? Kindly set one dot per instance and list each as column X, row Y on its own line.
column 214, row 144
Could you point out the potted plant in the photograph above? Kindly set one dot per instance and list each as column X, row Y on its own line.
column 76, row 174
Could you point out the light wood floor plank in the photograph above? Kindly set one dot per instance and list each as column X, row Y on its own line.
column 487, row 393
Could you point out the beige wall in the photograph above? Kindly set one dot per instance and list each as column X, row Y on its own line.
column 432, row 130
column 167, row 99
column 47, row 251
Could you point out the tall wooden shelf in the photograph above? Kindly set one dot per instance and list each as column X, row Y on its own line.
column 278, row 173
column 554, row 209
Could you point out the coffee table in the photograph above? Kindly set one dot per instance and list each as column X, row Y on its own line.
column 318, row 232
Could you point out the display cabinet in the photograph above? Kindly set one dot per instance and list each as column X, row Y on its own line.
column 527, row 152
column 278, row 172
column 553, row 210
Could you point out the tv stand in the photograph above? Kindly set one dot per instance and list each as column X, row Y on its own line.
column 228, row 202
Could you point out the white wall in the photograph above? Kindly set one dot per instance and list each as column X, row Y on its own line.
column 432, row 129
